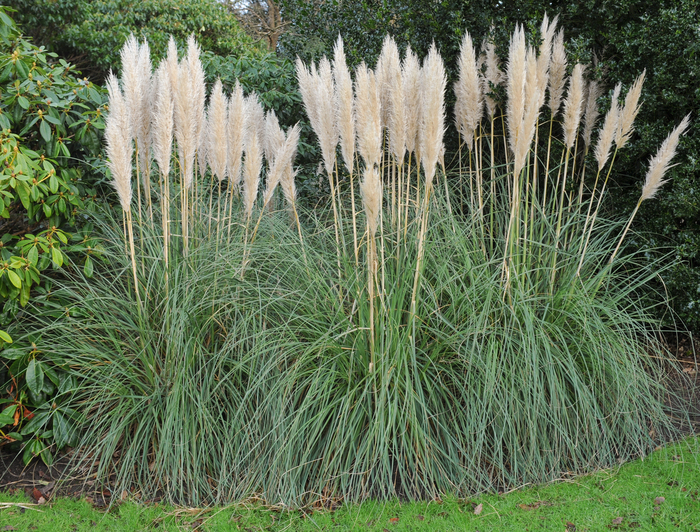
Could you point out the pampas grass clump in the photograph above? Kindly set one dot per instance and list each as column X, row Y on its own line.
column 457, row 330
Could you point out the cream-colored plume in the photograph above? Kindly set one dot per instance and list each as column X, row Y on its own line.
column 544, row 58
column 143, row 124
column 493, row 76
column 346, row 109
column 162, row 120
column 573, row 106
column 236, row 131
column 658, row 166
column 318, row 92
column 516, row 78
column 628, row 113
column 368, row 114
column 410, row 80
column 217, row 119
column 557, row 73
column 253, row 155
column 133, row 83
column 287, row 180
column 197, row 79
column 469, row 105
column 186, row 128
column 119, row 146
column 273, row 137
column 393, row 95
column 433, row 82
column 282, row 161
column 659, row 163
column 533, row 100
column 607, row 132
column 590, row 115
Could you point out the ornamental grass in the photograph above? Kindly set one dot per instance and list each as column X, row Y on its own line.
column 442, row 326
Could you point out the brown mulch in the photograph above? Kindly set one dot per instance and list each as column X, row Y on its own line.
column 41, row 482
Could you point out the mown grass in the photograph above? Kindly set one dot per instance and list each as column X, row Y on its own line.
column 625, row 498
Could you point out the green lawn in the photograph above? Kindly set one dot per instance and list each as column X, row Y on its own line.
column 661, row 492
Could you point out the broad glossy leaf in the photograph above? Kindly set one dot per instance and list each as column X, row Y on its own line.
column 45, row 130
column 33, row 255
column 35, row 376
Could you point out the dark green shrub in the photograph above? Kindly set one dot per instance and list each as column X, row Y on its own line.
column 50, row 145
column 91, row 33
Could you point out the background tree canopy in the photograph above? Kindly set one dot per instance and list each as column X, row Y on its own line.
column 91, row 33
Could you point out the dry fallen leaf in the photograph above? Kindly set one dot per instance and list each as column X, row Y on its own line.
column 570, row 527
column 659, row 500
column 617, row 521
column 394, row 520
column 478, row 509
column 36, row 494
column 420, row 517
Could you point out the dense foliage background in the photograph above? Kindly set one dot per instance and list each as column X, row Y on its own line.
column 91, row 33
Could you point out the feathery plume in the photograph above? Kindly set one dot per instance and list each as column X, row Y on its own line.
column 328, row 134
column 119, row 147
column 545, row 56
column 433, row 82
column 469, row 106
column 557, row 73
column 493, row 75
column 162, row 120
column 629, row 112
column 196, row 73
column 516, row 78
column 171, row 59
column 218, row 139
column 253, row 155
column 287, row 180
column 133, row 84
column 393, row 87
column 607, row 132
column 368, row 112
column 382, row 74
column 525, row 130
column 658, row 166
column 185, row 120
column 410, row 80
column 273, row 137
column 573, row 105
column 346, row 111
column 203, row 151
column 659, row 163
column 307, row 87
column 318, row 92
column 281, row 164
column 590, row 115
column 143, row 124
column 236, row 131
